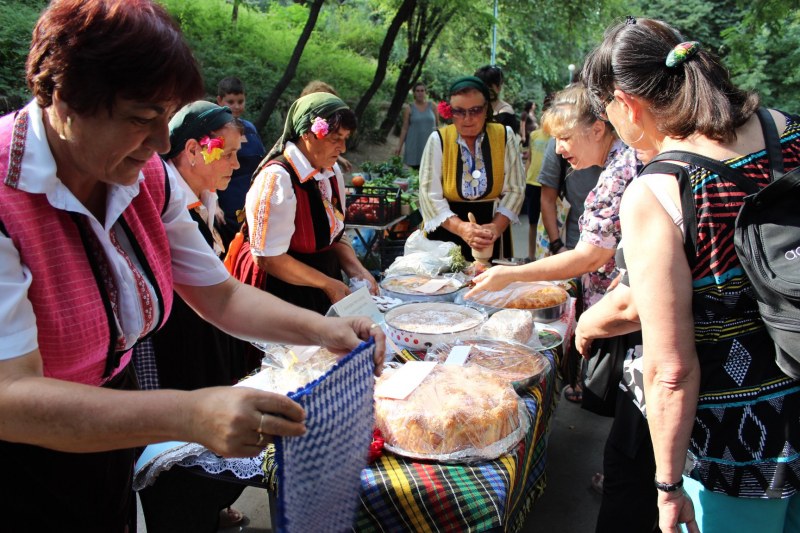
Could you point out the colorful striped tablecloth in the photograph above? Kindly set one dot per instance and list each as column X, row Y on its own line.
column 400, row 494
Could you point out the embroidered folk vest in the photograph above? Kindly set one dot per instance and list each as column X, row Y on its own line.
column 72, row 291
column 312, row 232
column 493, row 149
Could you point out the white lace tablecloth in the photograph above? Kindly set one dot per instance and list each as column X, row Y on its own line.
column 160, row 457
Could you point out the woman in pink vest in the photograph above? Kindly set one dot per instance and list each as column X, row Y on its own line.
column 93, row 238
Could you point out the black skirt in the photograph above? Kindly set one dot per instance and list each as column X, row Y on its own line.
column 49, row 490
column 311, row 298
column 484, row 213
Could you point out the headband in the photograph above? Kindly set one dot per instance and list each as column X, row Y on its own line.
column 473, row 82
column 195, row 121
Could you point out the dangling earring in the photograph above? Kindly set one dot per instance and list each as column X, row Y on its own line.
column 641, row 136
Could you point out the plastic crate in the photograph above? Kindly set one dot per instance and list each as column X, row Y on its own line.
column 373, row 206
column 391, row 250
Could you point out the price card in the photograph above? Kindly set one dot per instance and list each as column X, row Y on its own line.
column 403, row 382
column 358, row 303
column 458, row 355
column 432, row 286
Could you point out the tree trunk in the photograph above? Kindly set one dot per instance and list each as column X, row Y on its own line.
column 427, row 25
column 291, row 68
column 403, row 13
column 235, row 13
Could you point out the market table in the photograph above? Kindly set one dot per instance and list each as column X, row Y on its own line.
column 403, row 494
column 399, row 494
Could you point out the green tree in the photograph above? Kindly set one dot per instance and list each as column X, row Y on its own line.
column 402, row 15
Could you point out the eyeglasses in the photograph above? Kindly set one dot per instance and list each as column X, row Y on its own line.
column 602, row 114
column 476, row 111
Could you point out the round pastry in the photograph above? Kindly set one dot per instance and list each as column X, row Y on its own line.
column 511, row 361
column 520, row 295
column 454, row 409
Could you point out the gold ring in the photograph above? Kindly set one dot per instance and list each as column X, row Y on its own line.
column 260, row 440
column 261, row 423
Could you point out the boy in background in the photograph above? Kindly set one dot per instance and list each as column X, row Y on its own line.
column 230, row 92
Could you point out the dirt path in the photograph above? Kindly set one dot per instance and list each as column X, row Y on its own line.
column 372, row 152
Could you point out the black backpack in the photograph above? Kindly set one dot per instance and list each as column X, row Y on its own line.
column 766, row 237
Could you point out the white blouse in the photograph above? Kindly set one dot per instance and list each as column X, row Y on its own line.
column 271, row 203
column 193, row 262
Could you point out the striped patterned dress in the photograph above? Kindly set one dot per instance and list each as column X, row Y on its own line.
column 746, row 436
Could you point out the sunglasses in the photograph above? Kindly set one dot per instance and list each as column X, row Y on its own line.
column 602, row 114
column 476, row 111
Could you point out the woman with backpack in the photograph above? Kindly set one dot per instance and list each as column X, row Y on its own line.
column 722, row 415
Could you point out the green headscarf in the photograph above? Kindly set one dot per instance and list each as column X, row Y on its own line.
column 302, row 112
column 470, row 81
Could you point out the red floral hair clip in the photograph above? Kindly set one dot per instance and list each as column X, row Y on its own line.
column 445, row 111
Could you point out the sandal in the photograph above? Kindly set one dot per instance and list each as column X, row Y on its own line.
column 230, row 517
column 597, row 483
column 573, row 394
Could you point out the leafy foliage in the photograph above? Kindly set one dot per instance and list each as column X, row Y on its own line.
column 16, row 22
column 757, row 41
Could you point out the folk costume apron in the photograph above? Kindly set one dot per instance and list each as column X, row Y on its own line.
column 310, row 245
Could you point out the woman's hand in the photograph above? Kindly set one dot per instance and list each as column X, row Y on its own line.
column 342, row 335
column 335, row 290
column 494, row 279
column 477, row 236
column 373, row 285
column 675, row 508
column 583, row 343
column 241, row 421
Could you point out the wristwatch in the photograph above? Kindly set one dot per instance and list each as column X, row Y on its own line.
column 555, row 246
column 668, row 487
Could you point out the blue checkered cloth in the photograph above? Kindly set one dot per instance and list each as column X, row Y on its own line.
column 319, row 473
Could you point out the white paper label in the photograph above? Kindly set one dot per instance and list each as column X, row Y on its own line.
column 458, row 355
column 432, row 286
column 403, row 382
column 359, row 303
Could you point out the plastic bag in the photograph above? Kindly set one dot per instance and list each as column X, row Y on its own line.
column 357, row 283
column 459, row 414
column 510, row 325
column 423, row 256
column 521, row 295
column 288, row 368
column 513, row 362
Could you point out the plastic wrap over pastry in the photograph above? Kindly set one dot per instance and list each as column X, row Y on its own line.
column 512, row 362
column 458, row 414
column 546, row 301
column 509, row 325
column 287, row 368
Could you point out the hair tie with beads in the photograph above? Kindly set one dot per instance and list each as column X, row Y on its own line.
column 681, row 53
